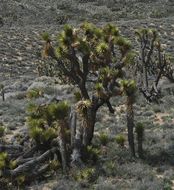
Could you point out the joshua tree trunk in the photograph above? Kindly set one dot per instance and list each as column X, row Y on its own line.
column 145, row 77
column 76, row 140
column 140, row 146
column 130, row 124
column 88, row 126
column 62, row 145
column 3, row 94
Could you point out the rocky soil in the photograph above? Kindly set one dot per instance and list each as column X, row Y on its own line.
column 21, row 25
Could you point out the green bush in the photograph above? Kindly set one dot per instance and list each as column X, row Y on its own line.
column 44, row 120
column 139, row 129
column 104, row 139
column 93, row 153
column 34, row 93
column 87, row 174
column 3, row 160
column 110, row 168
column 120, row 139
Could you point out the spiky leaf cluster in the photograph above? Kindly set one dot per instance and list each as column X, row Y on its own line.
column 140, row 130
column 128, row 87
column 83, row 105
column 3, row 160
column 43, row 120
column 90, row 48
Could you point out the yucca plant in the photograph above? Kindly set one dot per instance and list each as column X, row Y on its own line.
column 104, row 138
column 46, row 122
column 61, row 112
column 93, row 153
column 3, row 160
column 120, row 139
column 129, row 89
column 34, row 93
column 85, row 175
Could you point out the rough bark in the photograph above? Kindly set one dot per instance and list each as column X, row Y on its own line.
column 88, row 126
column 76, row 156
column 30, row 166
column 73, row 123
column 140, row 146
column 130, row 124
column 62, row 145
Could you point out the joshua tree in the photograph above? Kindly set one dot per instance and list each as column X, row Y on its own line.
column 129, row 88
column 153, row 63
column 140, row 135
column 91, row 58
column 61, row 112
column 46, row 122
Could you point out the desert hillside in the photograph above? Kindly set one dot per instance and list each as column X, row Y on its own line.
column 22, row 24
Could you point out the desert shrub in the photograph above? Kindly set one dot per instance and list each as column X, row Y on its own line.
column 87, row 174
column 110, row 168
column 104, row 139
column 3, row 160
column 93, row 153
column 34, row 93
column 120, row 139
column 167, row 184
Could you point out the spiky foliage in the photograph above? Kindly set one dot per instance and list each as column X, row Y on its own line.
column 104, row 138
column 3, row 160
column 86, row 175
column 82, row 106
column 91, row 58
column 34, row 93
column 93, row 153
column 46, row 36
column 129, row 88
column 89, row 48
column 120, row 139
column 43, row 120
